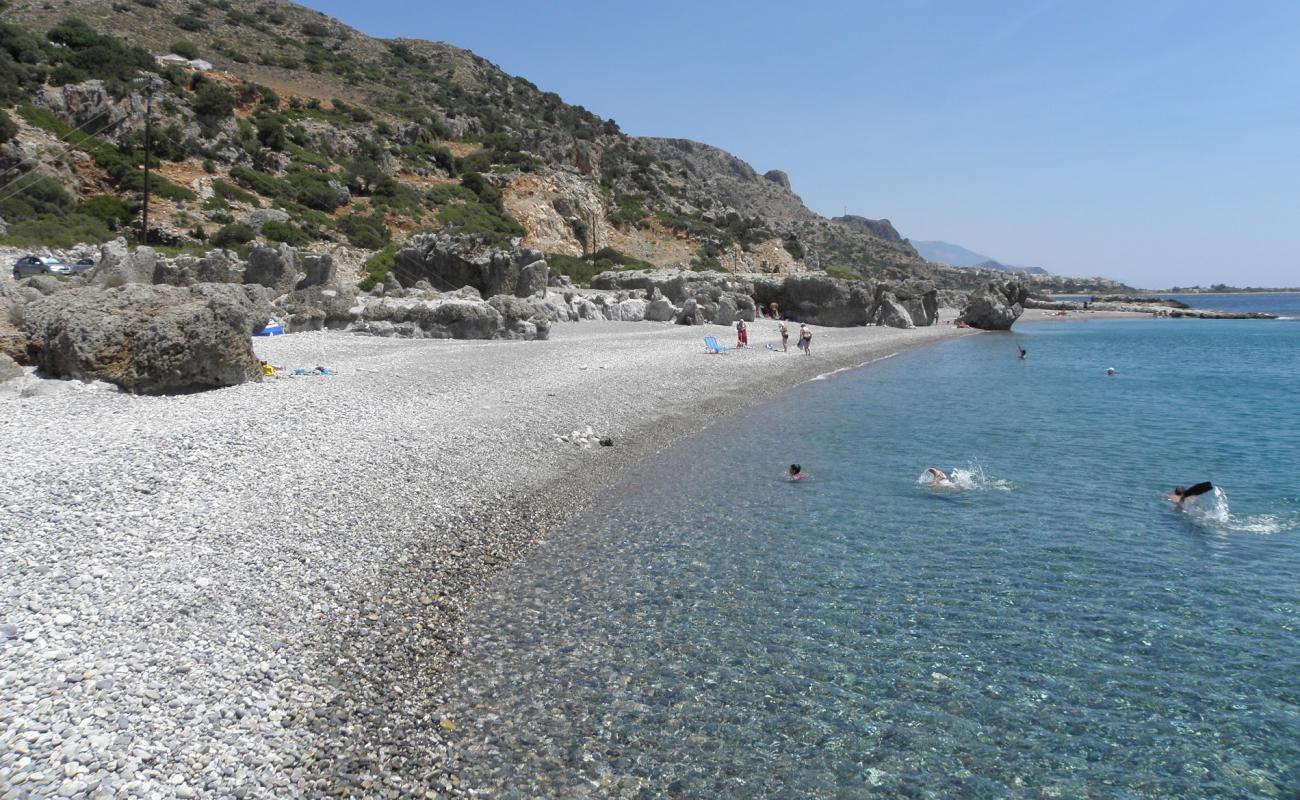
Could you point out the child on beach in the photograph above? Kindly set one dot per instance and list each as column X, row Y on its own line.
column 742, row 333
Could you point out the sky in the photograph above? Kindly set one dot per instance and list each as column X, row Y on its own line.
column 1156, row 141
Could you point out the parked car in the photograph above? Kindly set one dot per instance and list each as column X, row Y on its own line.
column 28, row 266
column 83, row 266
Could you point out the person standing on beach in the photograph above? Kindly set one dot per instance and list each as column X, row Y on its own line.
column 805, row 339
column 742, row 333
column 785, row 337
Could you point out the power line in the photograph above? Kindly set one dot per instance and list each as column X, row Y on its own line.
column 65, row 137
column 36, row 175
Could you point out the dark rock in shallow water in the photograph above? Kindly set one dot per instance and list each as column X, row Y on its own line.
column 149, row 339
column 995, row 306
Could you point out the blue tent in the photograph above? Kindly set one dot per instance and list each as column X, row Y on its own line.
column 273, row 328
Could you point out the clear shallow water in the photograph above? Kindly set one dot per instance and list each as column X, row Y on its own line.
column 1053, row 630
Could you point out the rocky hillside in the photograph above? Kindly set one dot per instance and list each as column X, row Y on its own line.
column 307, row 132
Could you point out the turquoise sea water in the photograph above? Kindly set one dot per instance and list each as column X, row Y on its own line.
column 1283, row 304
column 1054, row 629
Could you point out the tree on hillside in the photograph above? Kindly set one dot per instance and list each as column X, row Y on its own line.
column 8, row 129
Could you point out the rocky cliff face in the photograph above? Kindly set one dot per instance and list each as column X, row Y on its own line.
column 364, row 141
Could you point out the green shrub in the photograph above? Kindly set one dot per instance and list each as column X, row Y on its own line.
column 582, row 270
column 212, row 103
column 189, row 22
column 8, row 128
column 631, row 211
column 378, row 266
column 30, row 196
column 313, row 190
column 185, row 49
column 56, row 231
column 482, row 219
column 260, row 182
column 233, row 234
column 113, row 210
column 368, row 232
column 232, row 193
column 445, row 193
column 286, row 232
column 843, row 273
column 794, row 248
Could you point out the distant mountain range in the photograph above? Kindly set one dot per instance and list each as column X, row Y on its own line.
column 957, row 256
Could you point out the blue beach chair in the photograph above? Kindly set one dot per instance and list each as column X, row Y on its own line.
column 712, row 347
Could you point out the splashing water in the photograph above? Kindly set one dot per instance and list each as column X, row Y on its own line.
column 1212, row 512
column 970, row 478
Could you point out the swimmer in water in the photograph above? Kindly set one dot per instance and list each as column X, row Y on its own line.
column 1184, row 497
column 938, row 480
column 796, row 473
column 1023, row 352
column 1110, row 371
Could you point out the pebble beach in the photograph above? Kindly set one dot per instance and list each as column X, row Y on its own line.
column 255, row 592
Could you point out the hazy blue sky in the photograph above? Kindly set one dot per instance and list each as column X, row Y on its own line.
column 1155, row 142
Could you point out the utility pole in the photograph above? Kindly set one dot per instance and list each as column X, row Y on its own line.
column 148, row 156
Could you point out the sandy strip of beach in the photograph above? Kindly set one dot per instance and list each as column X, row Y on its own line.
column 252, row 592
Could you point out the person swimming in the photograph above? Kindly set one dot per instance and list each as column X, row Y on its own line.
column 1183, row 497
column 796, row 473
column 1023, row 352
column 938, row 480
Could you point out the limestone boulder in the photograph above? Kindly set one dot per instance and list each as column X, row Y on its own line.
column 893, row 313
column 217, row 266
column 117, row 269
column 278, row 269
column 9, row 369
column 262, row 216
column 449, row 262
column 817, row 299
column 660, row 308
column 724, row 311
column 919, row 300
column 630, row 310
column 149, row 339
column 533, row 279
column 319, row 270
column 995, row 306
column 318, row 307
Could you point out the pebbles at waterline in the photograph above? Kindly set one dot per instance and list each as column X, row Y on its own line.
column 254, row 592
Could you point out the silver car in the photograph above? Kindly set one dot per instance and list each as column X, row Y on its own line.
column 28, row 266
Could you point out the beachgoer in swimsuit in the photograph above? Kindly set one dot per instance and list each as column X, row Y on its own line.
column 805, row 339
column 785, row 338
column 938, row 480
column 1182, row 497
column 776, row 313
column 796, row 473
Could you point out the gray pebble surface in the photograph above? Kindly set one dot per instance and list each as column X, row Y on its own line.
column 254, row 592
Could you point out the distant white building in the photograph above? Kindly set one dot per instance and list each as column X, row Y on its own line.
column 173, row 60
